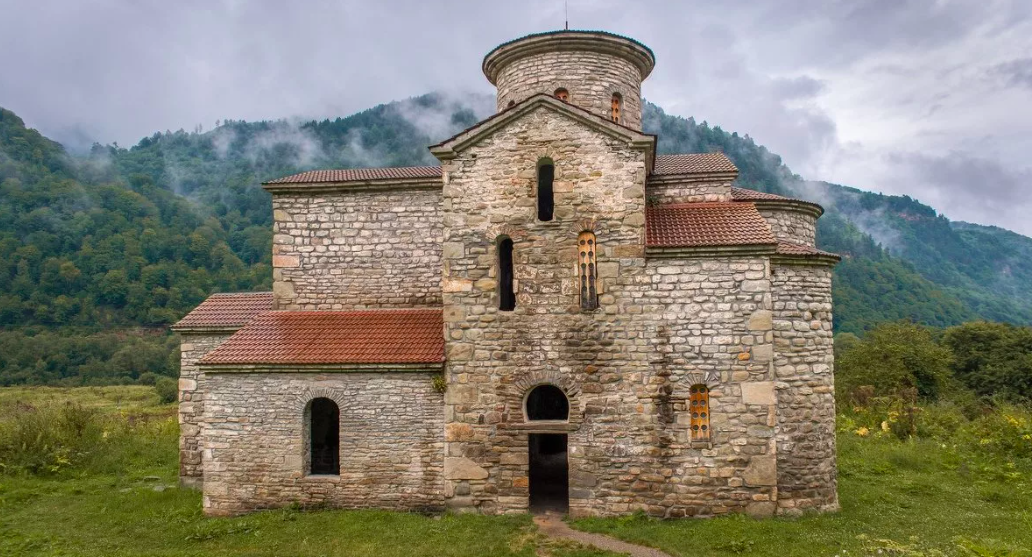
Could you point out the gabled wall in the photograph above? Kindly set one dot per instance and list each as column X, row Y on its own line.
column 626, row 367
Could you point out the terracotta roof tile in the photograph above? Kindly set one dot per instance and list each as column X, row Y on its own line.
column 787, row 248
column 410, row 336
column 692, row 164
column 226, row 311
column 360, row 175
column 706, row 225
column 742, row 194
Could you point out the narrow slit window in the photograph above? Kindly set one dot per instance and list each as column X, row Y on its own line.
column 545, row 193
column 506, row 294
column 700, row 408
column 562, row 94
column 616, row 107
column 587, row 249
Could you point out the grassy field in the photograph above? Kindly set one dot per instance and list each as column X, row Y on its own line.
column 119, row 499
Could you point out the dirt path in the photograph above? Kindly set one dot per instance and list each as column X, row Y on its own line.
column 552, row 525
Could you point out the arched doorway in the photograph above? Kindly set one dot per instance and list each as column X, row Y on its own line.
column 549, row 471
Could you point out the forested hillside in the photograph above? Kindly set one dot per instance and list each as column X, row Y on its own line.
column 98, row 254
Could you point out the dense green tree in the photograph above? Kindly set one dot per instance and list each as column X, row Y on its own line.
column 992, row 359
column 897, row 359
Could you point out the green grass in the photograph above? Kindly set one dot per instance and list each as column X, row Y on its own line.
column 913, row 498
column 902, row 498
column 132, row 399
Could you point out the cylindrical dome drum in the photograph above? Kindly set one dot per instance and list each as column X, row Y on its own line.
column 598, row 71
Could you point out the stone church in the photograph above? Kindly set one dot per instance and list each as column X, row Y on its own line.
column 555, row 317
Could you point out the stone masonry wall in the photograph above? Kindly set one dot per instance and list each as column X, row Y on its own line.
column 791, row 226
column 803, row 365
column 391, row 438
column 367, row 249
column 591, row 78
column 661, row 193
column 191, row 403
column 626, row 367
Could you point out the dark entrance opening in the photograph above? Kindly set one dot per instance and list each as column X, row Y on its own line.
column 549, row 473
column 547, row 402
column 325, row 437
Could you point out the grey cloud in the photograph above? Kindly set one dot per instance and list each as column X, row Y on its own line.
column 967, row 187
column 110, row 70
column 1016, row 72
column 796, row 87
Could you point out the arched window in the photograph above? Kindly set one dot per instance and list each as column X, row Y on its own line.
column 700, row 408
column 562, row 94
column 506, row 294
column 323, row 437
column 547, row 402
column 545, row 193
column 586, row 267
column 616, row 106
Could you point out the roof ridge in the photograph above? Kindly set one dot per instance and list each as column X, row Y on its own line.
column 535, row 97
column 351, row 311
column 700, row 204
column 360, row 174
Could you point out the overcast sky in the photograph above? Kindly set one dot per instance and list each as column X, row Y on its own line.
column 931, row 98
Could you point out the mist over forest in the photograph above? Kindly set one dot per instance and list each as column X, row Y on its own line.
column 100, row 252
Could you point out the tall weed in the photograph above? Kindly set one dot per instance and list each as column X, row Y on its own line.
column 55, row 437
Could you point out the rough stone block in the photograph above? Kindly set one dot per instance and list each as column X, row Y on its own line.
column 761, row 471
column 759, row 392
column 760, row 320
column 286, row 261
column 462, row 468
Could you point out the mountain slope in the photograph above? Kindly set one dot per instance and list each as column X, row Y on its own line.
column 136, row 237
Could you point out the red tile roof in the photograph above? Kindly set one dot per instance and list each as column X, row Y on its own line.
column 786, row 248
column 226, row 311
column 742, row 194
column 407, row 336
column 360, row 175
column 692, row 164
column 706, row 225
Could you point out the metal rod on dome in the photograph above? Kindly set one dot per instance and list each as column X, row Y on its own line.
column 566, row 4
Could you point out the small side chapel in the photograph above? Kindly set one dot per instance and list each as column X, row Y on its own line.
column 556, row 317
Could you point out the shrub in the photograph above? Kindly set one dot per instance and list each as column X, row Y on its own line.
column 897, row 360
column 167, row 389
column 1005, row 432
